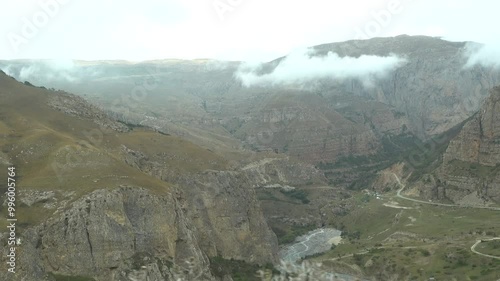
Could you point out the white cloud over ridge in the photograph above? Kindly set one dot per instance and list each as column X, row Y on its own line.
column 44, row 72
column 303, row 66
column 487, row 55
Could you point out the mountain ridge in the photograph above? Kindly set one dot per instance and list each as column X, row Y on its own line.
column 77, row 189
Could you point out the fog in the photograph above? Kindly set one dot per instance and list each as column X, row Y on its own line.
column 305, row 66
column 45, row 72
column 483, row 54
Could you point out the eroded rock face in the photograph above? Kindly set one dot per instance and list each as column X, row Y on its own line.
column 469, row 172
column 126, row 233
column 430, row 92
column 282, row 172
column 311, row 127
column 479, row 141
column 432, row 87
column 131, row 233
column 223, row 207
column 77, row 106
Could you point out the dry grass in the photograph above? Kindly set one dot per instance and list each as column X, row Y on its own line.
column 52, row 152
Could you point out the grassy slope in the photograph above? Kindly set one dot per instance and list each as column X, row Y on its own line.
column 420, row 242
column 37, row 138
column 52, row 153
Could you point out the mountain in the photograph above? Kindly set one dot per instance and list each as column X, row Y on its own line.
column 209, row 165
column 433, row 88
column 469, row 173
column 93, row 200
column 428, row 93
column 349, row 127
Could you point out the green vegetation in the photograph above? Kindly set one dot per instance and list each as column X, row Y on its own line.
column 421, row 157
column 417, row 243
column 426, row 157
column 297, row 194
column 285, row 148
column 290, row 196
column 398, row 114
column 473, row 169
column 288, row 235
column 54, row 152
column 266, row 195
column 233, row 125
column 351, row 235
column 489, row 248
column 238, row 270
column 131, row 125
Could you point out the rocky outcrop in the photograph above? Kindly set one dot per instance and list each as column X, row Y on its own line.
column 78, row 107
column 469, row 173
column 479, row 141
column 282, row 171
column 118, row 234
column 432, row 88
column 223, row 207
column 227, row 215
column 331, row 118
column 306, row 126
column 82, row 224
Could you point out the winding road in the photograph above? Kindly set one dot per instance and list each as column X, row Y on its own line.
column 473, row 247
column 437, row 204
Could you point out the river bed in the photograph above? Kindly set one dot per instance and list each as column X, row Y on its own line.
column 314, row 242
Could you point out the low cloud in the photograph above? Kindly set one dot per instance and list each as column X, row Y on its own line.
column 305, row 66
column 46, row 72
column 487, row 55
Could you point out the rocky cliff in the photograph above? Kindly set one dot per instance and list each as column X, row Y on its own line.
column 126, row 233
column 223, row 204
column 306, row 126
column 469, row 172
column 203, row 101
column 432, row 88
column 87, row 210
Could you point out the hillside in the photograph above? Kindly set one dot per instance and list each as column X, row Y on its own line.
column 161, row 162
column 205, row 102
column 469, row 173
column 79, row 192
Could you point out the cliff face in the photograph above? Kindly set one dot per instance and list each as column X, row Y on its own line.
column 316, row 128
column 87, row 210
column 479, row 141
column 126, row 233
column 469, row 173
column 223, row 204
column 227, row 215
column 281, row 171
column 331, row 118
column 433, row 89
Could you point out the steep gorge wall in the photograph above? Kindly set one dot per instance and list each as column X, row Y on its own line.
column 469, row 172
column 126, row 233
column 223, row 207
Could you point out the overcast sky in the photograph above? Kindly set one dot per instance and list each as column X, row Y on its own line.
column 251, row 30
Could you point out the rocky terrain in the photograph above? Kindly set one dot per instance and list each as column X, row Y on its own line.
column 204, row 101
column 125, row 233
column 93, row 207
column 170, row 163
column 432, row 88
column 468, row 173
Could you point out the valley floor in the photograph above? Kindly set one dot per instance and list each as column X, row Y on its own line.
column 392, row 237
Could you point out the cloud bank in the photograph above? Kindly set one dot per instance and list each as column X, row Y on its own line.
column 303, row 66
column 45, row 72
column 487, row 55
